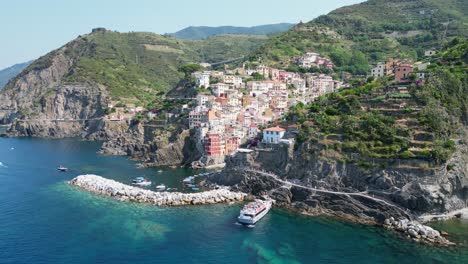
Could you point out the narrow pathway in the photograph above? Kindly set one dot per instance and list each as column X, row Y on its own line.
column 360, row 194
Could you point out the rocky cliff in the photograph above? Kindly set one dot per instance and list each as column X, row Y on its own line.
column 321, row 183
column 154, row 145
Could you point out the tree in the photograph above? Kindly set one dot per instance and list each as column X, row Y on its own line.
column 188, row 69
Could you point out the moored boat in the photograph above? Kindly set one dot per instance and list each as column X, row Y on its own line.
column 252, row 212
column 140, row 181
column 161, row 187
column 190, row 179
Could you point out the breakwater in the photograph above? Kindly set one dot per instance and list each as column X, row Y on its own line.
column 123, row 192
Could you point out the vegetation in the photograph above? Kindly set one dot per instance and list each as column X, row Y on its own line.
column 138, row 67
column 354, row 36
column 199, row 33
column 371, row 120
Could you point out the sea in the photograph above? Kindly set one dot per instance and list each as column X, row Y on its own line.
column 45, row 220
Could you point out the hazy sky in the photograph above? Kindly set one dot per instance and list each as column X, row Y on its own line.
column 31, row 28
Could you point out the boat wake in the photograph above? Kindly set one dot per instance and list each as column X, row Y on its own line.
column 3, row 165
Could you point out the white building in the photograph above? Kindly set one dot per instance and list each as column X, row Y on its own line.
column 273, row 134
column 203, row 79
column 422, row 66
column 202, row 99
column 321, row 84
column 235, row 81
column 429, row 53
column 308, row 60
column 219, row 89
column 379, row 70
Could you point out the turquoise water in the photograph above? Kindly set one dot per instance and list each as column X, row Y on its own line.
column 44, row 220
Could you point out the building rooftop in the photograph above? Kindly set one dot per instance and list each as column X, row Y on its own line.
column 276, row 129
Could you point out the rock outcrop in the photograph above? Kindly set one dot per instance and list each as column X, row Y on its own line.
column 155, row 146
column 412, row 192
column 416, row 231
column 122, row 192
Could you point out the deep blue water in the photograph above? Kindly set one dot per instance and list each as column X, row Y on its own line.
column 44, row 220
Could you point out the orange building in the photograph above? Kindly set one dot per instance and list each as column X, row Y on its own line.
column 232, row 144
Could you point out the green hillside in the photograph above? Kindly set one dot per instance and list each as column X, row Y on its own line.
column 137, row 66
column 357, row 35
column 377, row 124
column 199, row 33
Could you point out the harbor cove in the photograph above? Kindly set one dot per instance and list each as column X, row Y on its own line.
column 259, row 132
column 45, row 220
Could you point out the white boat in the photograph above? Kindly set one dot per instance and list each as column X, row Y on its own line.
column 189, row 179
column 161, row 187
column 140, row 181
column 62, row 169
column 252, row 212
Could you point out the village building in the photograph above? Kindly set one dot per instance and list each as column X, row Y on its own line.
column 379, row 70
column 202, row 79
column 402, row 72
column 202, row 99
column 235, row 81
column 219, row 89
column 430, row 53
column 273, row 134
column 214, row 145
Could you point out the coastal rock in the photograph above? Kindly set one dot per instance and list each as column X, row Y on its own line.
column 417, row 231
column 122, row 192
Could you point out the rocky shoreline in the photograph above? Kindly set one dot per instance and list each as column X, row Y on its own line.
column 417, row 231
column 122, row 192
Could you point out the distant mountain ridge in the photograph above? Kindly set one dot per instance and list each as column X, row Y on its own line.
column 198, row 33
column 10, row 72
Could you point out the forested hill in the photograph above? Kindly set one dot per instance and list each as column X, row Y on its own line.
column 199, row 33
column 357, row 35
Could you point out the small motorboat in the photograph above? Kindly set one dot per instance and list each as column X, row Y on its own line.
column 140, row 181
column 189, row 179
column 161, row 187
column 195, row 189
column 62, row 168
column 191, row 185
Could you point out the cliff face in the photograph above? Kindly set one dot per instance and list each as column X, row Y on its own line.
column 155, row 146
column 39, row 103
column 406, row 190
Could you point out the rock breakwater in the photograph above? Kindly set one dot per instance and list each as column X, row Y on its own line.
column 122, row 192
column 417, row 231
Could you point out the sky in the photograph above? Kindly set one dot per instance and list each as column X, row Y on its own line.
column 32, row 28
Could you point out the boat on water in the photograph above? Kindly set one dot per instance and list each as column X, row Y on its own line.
column 140, row 181
column 190, row 179
column 252, row 212
column 161, row 187
column 62, row 168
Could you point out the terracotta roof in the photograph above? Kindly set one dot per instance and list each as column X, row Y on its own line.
column 276, row 129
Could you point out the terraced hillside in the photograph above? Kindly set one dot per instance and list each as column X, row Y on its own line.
column 380, row 124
